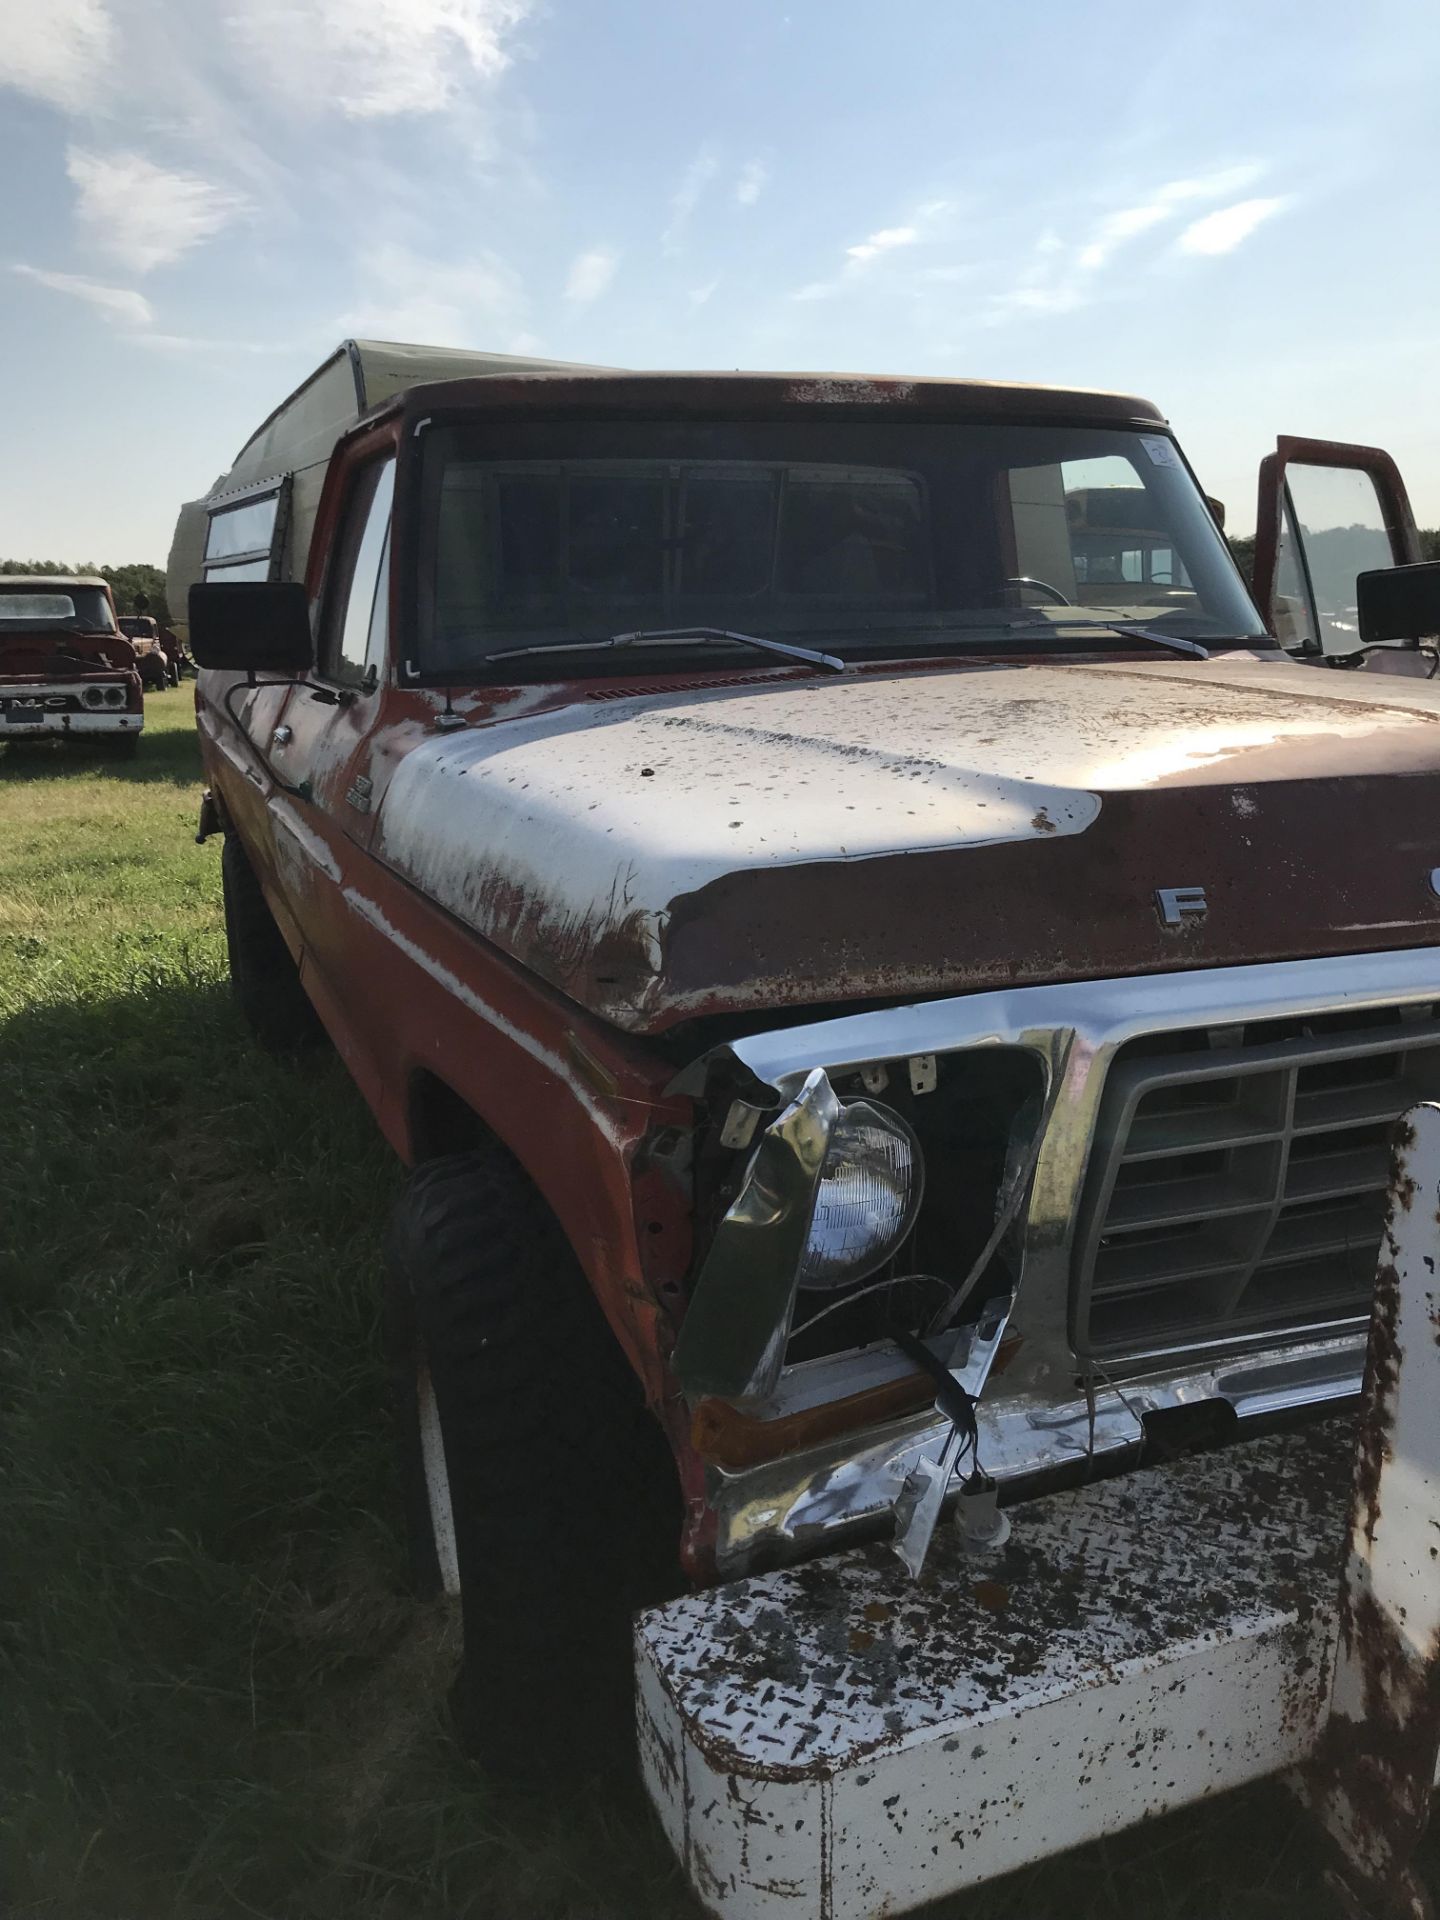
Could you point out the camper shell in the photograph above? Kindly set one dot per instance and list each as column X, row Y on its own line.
column 256, row 521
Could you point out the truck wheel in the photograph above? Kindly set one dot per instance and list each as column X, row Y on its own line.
column 536, row 1482
column 263, row 974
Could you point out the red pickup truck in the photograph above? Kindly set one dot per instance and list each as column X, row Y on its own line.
column 65, row 667
column 810, row 911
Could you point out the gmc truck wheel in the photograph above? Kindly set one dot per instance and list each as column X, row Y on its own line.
column 263, row 974
column 536, row 1483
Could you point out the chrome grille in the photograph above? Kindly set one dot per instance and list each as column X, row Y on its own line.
column 1237, row 1183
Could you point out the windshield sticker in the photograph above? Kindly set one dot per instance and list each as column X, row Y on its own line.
column 1162, row 452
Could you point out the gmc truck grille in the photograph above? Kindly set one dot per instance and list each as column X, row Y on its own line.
column 1238, row 1177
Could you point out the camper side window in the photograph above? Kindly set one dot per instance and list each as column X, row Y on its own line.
column 358, row 593
column 246, row 534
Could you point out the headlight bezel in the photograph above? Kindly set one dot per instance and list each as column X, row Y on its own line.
column 733, row 1339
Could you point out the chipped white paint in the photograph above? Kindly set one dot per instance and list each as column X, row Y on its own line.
column 554, row 828
column 1373, row 1789
column 295, row 834
column 835, row 1743
column 552, row 1062
column 856, row 390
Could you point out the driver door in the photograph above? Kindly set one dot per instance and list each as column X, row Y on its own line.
column 325, row 740
column 1326, row 513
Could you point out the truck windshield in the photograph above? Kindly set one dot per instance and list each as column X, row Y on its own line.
column 863, row 538
column 83, row 607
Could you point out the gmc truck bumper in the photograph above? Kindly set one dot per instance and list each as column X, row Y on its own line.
column 835, row 1741
column 19, row 723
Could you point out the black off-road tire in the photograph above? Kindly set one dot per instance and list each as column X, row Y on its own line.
column 263, row 974
column 561, row 1488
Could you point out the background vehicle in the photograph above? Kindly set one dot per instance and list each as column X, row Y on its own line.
column 156, row 669
column 831, row 960
column 64, row 666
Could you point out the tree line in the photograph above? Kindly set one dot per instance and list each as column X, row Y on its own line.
column 126, row 583
column 1243, row 548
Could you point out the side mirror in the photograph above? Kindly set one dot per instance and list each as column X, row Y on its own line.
column 1217, row 510
column 251, row 626
column 1399, row 603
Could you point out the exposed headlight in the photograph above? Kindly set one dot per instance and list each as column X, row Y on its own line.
column 867, row 1199
column 93, row 696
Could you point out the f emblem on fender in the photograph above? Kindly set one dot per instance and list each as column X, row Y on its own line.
column 1177, row 904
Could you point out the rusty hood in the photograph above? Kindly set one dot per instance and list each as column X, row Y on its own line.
column 61, row 653
column 813, row 842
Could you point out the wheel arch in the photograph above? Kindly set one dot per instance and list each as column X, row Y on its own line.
column 593, row 1206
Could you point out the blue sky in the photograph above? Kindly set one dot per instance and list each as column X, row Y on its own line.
column 1230, row 208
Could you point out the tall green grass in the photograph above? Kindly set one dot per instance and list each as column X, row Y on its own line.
column 215, row 1695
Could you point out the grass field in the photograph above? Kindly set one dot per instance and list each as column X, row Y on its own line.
column 215, row 1697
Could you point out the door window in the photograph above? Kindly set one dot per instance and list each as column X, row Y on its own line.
column 359, row 605
column 1341, row 521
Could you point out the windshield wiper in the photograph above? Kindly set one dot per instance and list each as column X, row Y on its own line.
column 1173, row 641
column 683, row 635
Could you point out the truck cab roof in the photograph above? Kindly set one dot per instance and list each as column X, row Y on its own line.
column 48, row 582
column 720, row 394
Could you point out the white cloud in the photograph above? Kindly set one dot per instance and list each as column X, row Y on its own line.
column 1128, row 223
column 1061, row 274
column 58, row 50
column 686, row 197
column 751, row 184
column 122, row 304
column 142, row 214
column 478, row 302
column 1224, row 230
column 1063, row 298
column 885, row 241
column 192, row 343
column 1116, row 228
column 700, row 295
column 861, row 257
column 590, row 274
column 1210, row 186
column 370, row 59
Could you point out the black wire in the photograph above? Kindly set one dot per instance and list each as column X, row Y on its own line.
column 861, row 1293
column 302, row 792
column 951, row 1398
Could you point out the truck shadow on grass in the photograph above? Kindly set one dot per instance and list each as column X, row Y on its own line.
column 171, row 756
column 220, row 1697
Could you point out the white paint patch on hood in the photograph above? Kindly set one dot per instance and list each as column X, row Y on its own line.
column 589, row 817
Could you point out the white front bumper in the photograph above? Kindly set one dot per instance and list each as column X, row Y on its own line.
column 835, row 1742
column 87, row 723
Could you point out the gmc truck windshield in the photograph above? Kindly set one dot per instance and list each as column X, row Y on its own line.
column 84, row 608
column 859, row 537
